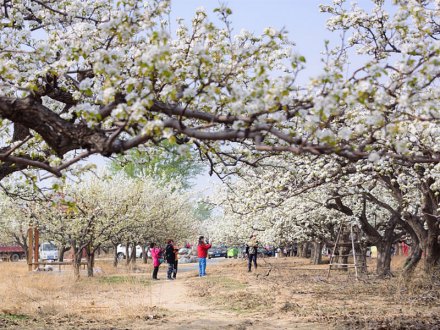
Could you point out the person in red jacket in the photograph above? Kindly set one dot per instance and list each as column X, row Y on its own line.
column 202, row 253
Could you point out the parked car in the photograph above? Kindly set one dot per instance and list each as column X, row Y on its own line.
column 217, row 252
column 121, row 251
column 48, row 251
column 262, row 252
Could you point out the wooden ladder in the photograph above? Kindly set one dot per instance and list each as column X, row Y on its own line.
column 356, row 261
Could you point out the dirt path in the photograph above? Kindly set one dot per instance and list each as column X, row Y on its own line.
column 174, row 296
column 187, row 312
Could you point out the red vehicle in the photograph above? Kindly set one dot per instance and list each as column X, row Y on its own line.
column 11, row 252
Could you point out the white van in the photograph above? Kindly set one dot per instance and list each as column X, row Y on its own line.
column 48, row 251
column 121, row 251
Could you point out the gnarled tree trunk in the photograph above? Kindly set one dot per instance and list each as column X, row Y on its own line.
column 383, row 266
column 431, row 244
column 413, row 260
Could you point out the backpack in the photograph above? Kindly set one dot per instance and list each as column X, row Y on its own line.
column 252, row 247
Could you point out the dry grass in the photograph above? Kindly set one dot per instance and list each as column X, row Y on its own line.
column 340, row 301
column 55, row 297
column 122, row 298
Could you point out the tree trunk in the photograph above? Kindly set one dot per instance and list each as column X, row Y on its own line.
column 61, row 250
column 413, row 260
column 430, row 215
column 432, row 253
column 416, row 250
column 317, row 253
column 383, row 267
column 344, row 250
column 343, row 257
column 90, row 260
column 305, row 250
column 144, row 254
column 133, row 254
column 362, row 258
column 300, row 250
column 127, row 254
column 77, row 254
column 115, row 255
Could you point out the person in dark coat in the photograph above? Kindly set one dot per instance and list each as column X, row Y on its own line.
column 252, row 250
column 170, row 257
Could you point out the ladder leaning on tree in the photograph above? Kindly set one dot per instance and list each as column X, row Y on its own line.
column 359, row 261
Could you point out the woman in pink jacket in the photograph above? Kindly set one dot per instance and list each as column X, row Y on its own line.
column 155, row 255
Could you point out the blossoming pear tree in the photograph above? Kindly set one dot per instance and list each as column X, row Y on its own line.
column 14, row 221
column 280, row 202
column 100, row 77
column 307, row 199
column 104, row 211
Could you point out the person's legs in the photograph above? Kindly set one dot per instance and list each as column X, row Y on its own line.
column 249, row 262
column 175, row 268
column 170, row 270
column 156, row 269
column 255, row 260
column 204, row 266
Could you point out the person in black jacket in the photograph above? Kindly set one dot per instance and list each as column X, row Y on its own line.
column 170, row 257
column 251, row 251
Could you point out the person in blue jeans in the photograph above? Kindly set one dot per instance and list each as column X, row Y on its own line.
column 202, row 253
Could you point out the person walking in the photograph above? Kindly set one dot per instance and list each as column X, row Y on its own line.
column 176, row 261
column 202, row 253
column 155, row 255
column 170, row 257
column 252, row 250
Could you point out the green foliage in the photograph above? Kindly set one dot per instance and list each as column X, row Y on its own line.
column 166, row 163
column 202, row 211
